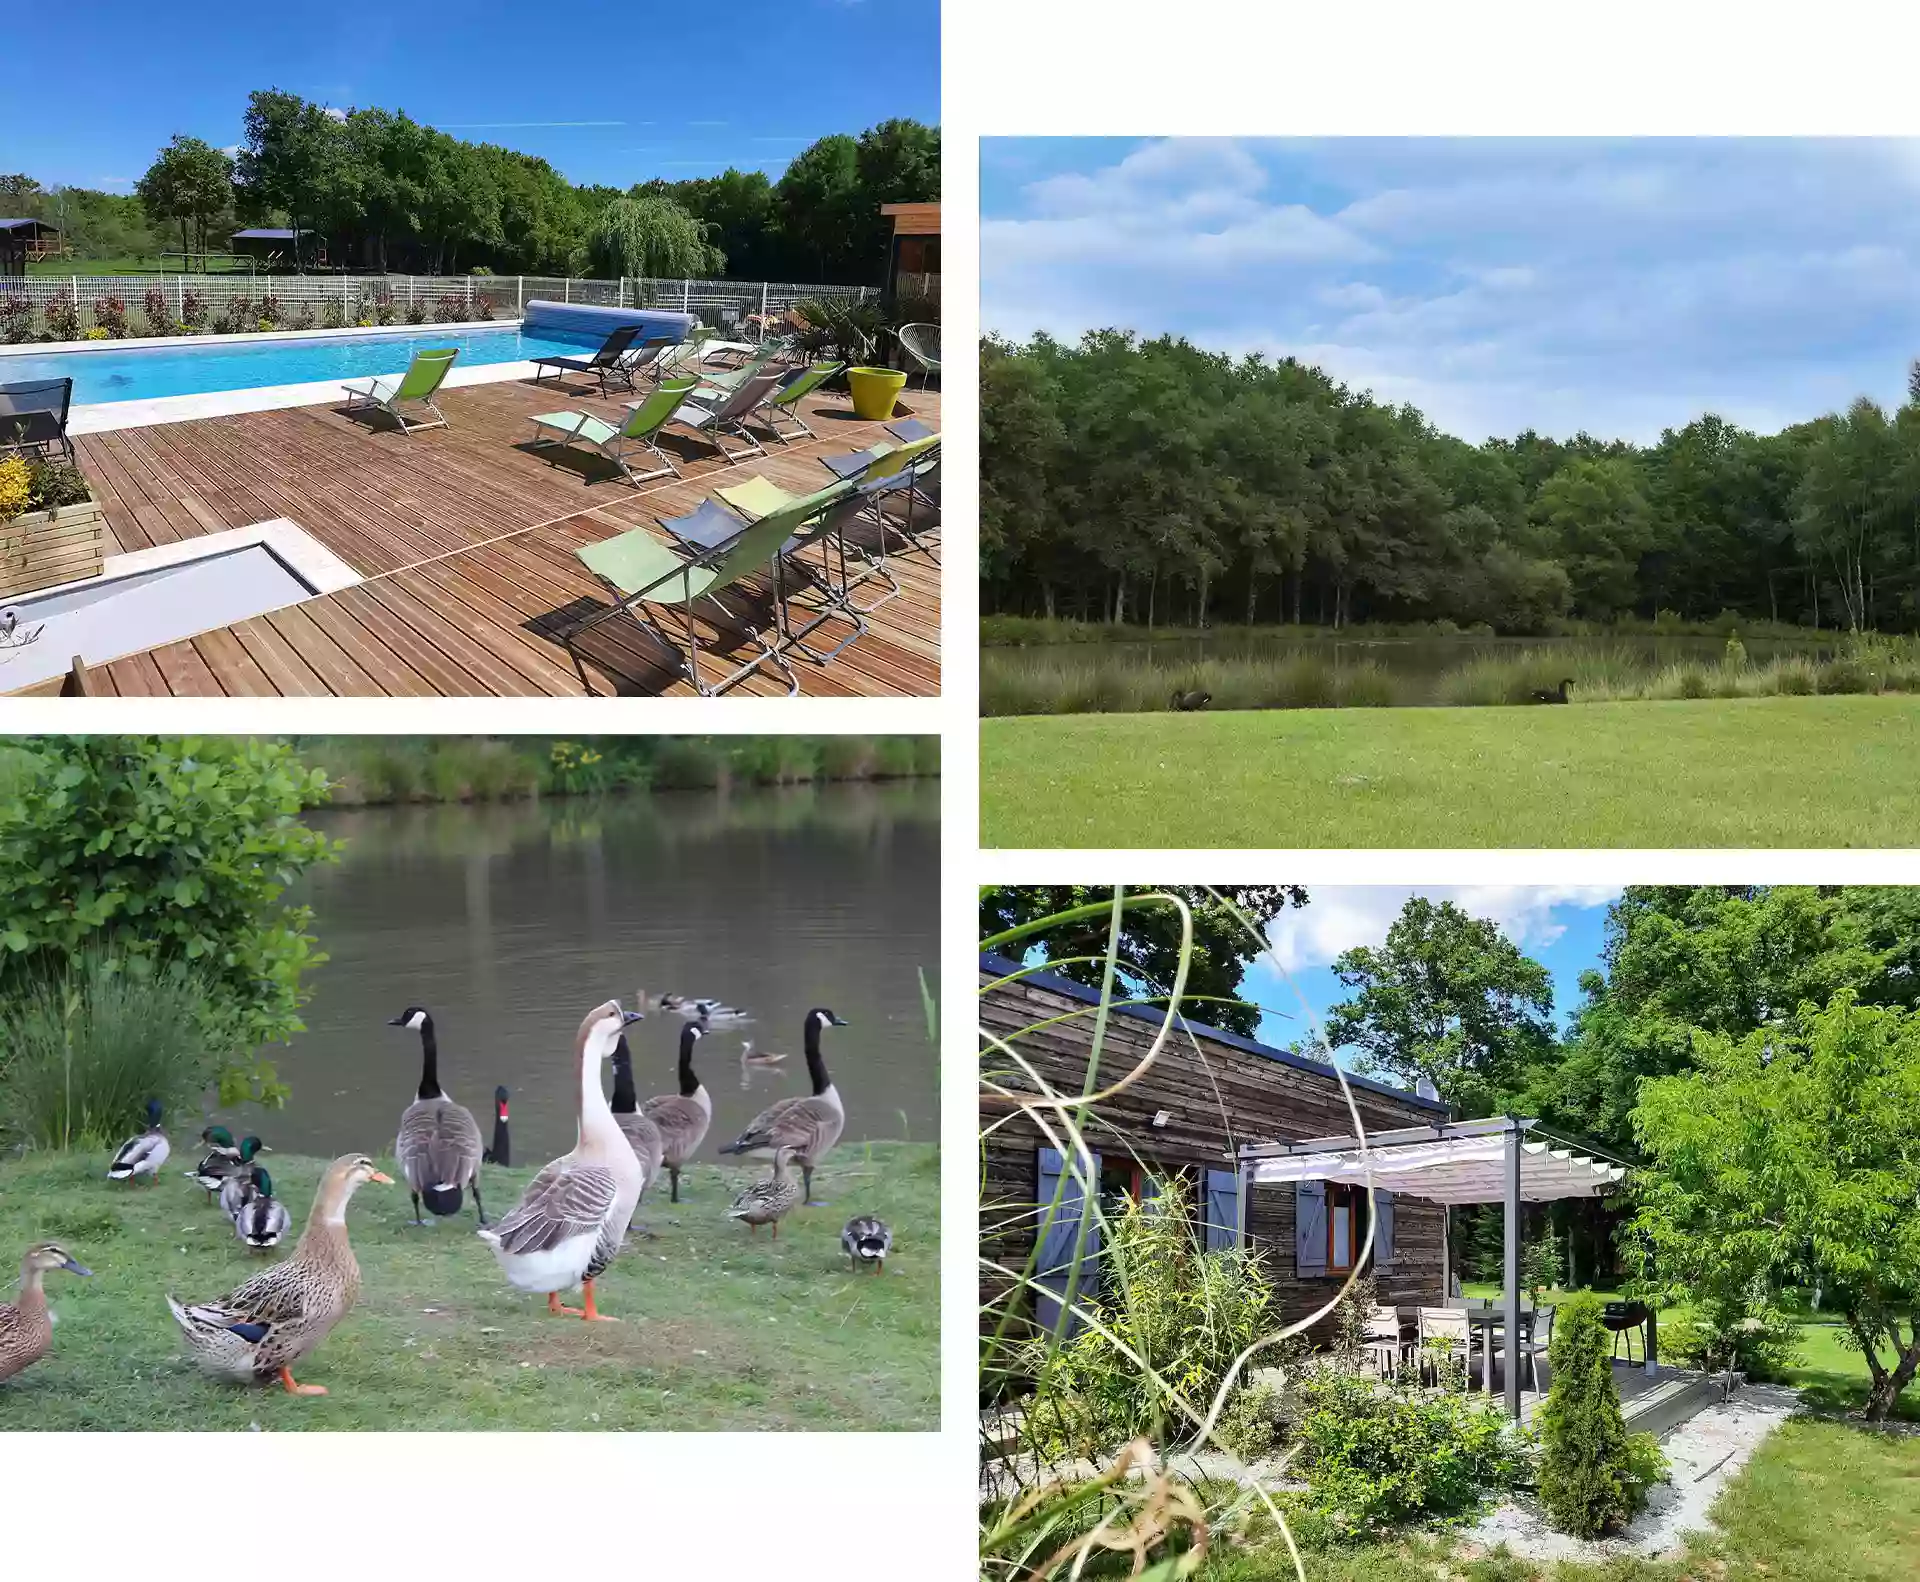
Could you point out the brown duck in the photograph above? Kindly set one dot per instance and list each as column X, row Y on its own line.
column 26, row 1327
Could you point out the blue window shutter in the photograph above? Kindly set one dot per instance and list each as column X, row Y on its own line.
column 1310, row 1227
column 1382, row 1229
column 1055, row 1263
column 1223, row 1210
column 1150, row 1190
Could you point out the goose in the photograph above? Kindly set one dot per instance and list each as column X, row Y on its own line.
column 1551, row 695
column 867, row 1240
column 570, row 1222
column 501, row 1151
column 770, row 1201
column 713, row 1012
column 221, row 1155
column 142, row 1155
column 683, row 1117
column 236, row 1188
column 439, row 1145
column 26, row 1327
column 263, row 1219
column 1189, row 702
column 639, row 1130
column 260, row 1329
column 810, row 1125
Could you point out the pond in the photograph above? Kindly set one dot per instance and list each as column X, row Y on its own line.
column 510, row 921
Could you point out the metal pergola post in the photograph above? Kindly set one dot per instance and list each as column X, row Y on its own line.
column 1512, row 1273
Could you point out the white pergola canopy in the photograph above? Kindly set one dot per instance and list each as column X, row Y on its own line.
column 1451, row 1170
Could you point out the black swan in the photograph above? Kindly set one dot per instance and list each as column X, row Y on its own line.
column 1543, row 695
column 1187, row 702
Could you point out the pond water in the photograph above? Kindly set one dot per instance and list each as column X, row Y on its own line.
column 510, row 922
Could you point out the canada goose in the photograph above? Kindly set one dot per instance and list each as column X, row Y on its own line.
column 810, row 1125
column 570, row 1222
column 501, row 1153
column 263, row 1219
column 1188, row 702
column 770, row 1201
column 142, row 1155
column 639, row 1130
column 1556, row 695
column 683, row 1117
column 255, row 1333
column 439, row 1143
column 712, row 1012
column 867, row 1240
column 26, row 1328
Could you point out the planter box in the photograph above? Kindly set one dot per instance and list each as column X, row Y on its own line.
column 43, row 548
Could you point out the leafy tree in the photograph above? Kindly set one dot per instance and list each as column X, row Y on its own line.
column 164, row 851
column 651, row 235
column 819, row 201
column 737, row 207
column 191, row 182
column 1449, row 998
column 1150, row 938
column 1792, row 1155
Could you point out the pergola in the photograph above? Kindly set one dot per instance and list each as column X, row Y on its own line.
column 1506, row 1160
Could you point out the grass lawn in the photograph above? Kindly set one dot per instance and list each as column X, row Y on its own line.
column 1817, row 771
column 719, row 1330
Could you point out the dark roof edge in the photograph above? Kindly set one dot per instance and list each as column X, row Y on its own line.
column 1006, row 966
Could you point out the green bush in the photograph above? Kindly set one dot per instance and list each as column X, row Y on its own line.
column 1375, row 1457
column 1755, row 1338
column 1848, row 675
column 84, row 1047
column 1592, row 1477
column 686, row 763
column 1249, row 1424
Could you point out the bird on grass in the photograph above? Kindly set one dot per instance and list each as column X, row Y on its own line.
column 810, row 1126
column 145, row 1154
column 500, row 1151
column 1190, row 702
column 263, row 1219
column 221, row 1155
column 1551, row 694
column 683, row 1117
column 218, row 1171
column 867, row 1241
column 439, row 1145
column 770, row 1201
column 26, row 1327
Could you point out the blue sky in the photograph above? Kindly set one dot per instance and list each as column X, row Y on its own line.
column 1560, row 926
column 608, row 93
column 1620, row 286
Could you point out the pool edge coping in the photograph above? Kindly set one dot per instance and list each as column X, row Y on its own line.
column 167, row 342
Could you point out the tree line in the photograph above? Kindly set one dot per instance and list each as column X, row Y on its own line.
column 382, row 191
column 1149, row 481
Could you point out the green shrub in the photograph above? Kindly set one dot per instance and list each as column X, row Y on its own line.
column 1734, row 657
column 1795, row 677
column 1592, row 1479
column 686, row 763
column 846, row 758
column 1249, row 1424
column 1848, row 675
column 1755, row 1338
column 1375, row 1457
column 1369, row 686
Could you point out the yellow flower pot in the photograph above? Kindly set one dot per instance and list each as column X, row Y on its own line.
column 874, row 392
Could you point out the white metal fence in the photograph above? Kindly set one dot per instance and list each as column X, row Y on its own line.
column 716, row 302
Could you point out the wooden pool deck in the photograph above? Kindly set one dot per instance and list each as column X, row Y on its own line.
column 465, row 538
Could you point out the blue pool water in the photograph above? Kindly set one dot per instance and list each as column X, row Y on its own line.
column 134, row 373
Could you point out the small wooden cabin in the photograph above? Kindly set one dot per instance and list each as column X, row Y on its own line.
column 913, row 254
column 27, row 241
column 1184, row 1117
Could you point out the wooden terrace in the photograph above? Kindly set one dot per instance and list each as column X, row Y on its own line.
column 465, row 537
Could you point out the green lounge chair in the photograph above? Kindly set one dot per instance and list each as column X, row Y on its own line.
column 642, row 571
column 785, row 402
column 645, row 419
column 733, row 378
column 421, row 382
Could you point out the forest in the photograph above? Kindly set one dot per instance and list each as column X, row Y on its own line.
column 384, row 191
column 1150, row 482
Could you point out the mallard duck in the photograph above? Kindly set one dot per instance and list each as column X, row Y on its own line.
column 263, row 1219
column 569, row 1224
column 255, row 1333
column 810, row 1125
column 714, row 1013
column 749, row 1056
column 221, row 1155
column 26, row 1327
column 770, row 1201
column 867, row 1240
column 501, row 1151
column 145, row 1154
column 439, row 1145
column 639, row 1130
column 683, row 1117
column 236, row 1186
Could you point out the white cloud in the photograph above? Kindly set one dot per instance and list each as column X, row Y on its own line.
column 1337, row 919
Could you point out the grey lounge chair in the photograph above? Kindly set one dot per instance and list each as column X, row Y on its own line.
column 33, row 416
column 419, row 383
column 645, row 419
column 607, row 363
column 729, row 416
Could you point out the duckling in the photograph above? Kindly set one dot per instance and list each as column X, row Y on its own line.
column 811, row 1125
column 439, row 1146
column 770, row 1201
column 263, row 1219
column 569, row 1224
column 236, row 1187
column 867, row 1240
column 713, row 1012
column 220, row 1157
column 501, row 1151
column 145, row 1154
column 683, row 1117
column 255, row 1333
column 26, row 1327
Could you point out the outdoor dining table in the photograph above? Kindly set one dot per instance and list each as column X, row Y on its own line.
column 1485, row 1315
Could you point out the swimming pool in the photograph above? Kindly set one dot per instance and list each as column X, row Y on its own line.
column 132, row 372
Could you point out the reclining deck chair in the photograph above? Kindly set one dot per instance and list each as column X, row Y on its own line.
column 645, row 419
column 729, row 415
column 607, row 363
column 421, row 382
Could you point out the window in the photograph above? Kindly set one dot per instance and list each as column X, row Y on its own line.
column 1346, row 1225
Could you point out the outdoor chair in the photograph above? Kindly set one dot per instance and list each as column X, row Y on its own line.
column 762, row 359
column 645, row 356
column 785, row 402
column 643, row 572
column 645, row 419
column 420, row 383
column 901, row 475
column 729, row 417
column 608, row 362
column 921, row 342
column 1445, row 1330
column 1386, row 1341
column 33, row 416
column 1536, row 1337
column 716, row 522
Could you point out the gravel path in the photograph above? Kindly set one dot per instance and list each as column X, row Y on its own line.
column 1702, row 1454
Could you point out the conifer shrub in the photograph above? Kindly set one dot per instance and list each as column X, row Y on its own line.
column 1594, row 1476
